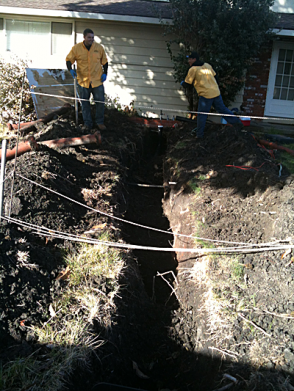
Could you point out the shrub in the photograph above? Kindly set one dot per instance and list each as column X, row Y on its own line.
column 11, row 80
column 228, row 34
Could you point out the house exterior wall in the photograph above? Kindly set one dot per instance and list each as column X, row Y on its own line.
column 259, row 89
column 286, row 6
column 140, row 69
column 256, row 85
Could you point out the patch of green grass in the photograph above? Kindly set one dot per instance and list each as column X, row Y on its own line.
column 237, row 270
column 193, row 184
column 204, row 244
column 180, row 145
column 272, row 130
column 287, row 160
column 92, row 276
column 202, row 177
column 94, row 261
column 45, row 373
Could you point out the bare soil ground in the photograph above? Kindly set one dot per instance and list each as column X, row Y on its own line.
column 184, row 319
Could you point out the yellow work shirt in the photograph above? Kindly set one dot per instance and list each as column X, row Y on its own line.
column 202, row 77
column 89, row 63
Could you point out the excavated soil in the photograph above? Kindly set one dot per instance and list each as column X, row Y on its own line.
column 224, row 188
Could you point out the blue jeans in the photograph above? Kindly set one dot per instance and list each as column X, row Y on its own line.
column 204, row 105
column 98, row 94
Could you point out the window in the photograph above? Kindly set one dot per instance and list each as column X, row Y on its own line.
column 1, row 24
column 61, row 37
column 284, row 83
column 28, row 37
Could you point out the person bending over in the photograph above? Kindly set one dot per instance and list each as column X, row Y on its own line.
column 202, row 76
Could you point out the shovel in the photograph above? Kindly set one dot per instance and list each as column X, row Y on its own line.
column 76, row 100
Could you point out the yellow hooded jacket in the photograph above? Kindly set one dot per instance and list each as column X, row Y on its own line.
column 202, row 77
column 89, row 63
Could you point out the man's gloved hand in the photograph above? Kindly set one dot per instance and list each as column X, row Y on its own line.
column 103, row 77
column 73, row 73
column 182, row 82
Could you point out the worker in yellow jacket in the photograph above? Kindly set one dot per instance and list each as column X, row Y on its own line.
column 92, row 65
column 202, row 76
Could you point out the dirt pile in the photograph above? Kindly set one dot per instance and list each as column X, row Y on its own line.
column 221, row 311
column 229, row 189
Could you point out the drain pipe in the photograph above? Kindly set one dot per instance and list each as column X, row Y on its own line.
column 22, row 148
column 28, row 127
column 32, row 145
column 73, row 141
column 276, row 146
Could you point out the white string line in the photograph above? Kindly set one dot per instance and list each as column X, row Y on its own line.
column 51, row 234
column 147, row 227
column 58, row 234
column 6, row 178
column 166, row 109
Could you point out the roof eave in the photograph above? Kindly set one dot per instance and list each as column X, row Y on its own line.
column 284, row 32
column 79, row 15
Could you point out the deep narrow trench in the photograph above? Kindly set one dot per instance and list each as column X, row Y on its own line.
column 157, row 268
column 174, row 366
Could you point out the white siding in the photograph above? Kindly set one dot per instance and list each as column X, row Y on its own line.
column 140, row 68
column 285, row 6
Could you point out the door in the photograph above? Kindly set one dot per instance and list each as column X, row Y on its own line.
column 280, row 93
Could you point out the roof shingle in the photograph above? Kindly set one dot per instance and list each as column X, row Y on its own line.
column 143, row 8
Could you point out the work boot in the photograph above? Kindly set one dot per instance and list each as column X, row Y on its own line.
column 193, row 132
column 101, row 126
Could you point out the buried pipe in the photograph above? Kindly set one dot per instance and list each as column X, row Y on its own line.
column 73, row 141
column 27, row 127
column 22, row 148
column 276, row 146
column 32, row 145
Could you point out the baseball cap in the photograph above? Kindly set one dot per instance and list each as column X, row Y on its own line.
column 194, row 55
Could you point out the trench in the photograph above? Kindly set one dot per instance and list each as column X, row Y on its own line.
column 177, row 366
column 157, row 268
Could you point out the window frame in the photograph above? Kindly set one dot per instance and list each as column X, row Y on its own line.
column 36, row 19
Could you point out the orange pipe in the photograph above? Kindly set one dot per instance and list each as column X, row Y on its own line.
column 32, row 145
column 276, row 146
column 27, row 127
column 73, row 141
column 21, row 125
column 153, row 123
column 21, row 149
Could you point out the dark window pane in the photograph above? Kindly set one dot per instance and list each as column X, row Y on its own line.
column 287, row 68
column 61, row 36
column 291, row 95
column 278, row 82
column 1, row 23
column 280, row 69
column 289, row 55
column 282, row 53
column 284, row 93
column 277, row 93
column 292, row 82
column 61, row 28
column 286, row 80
